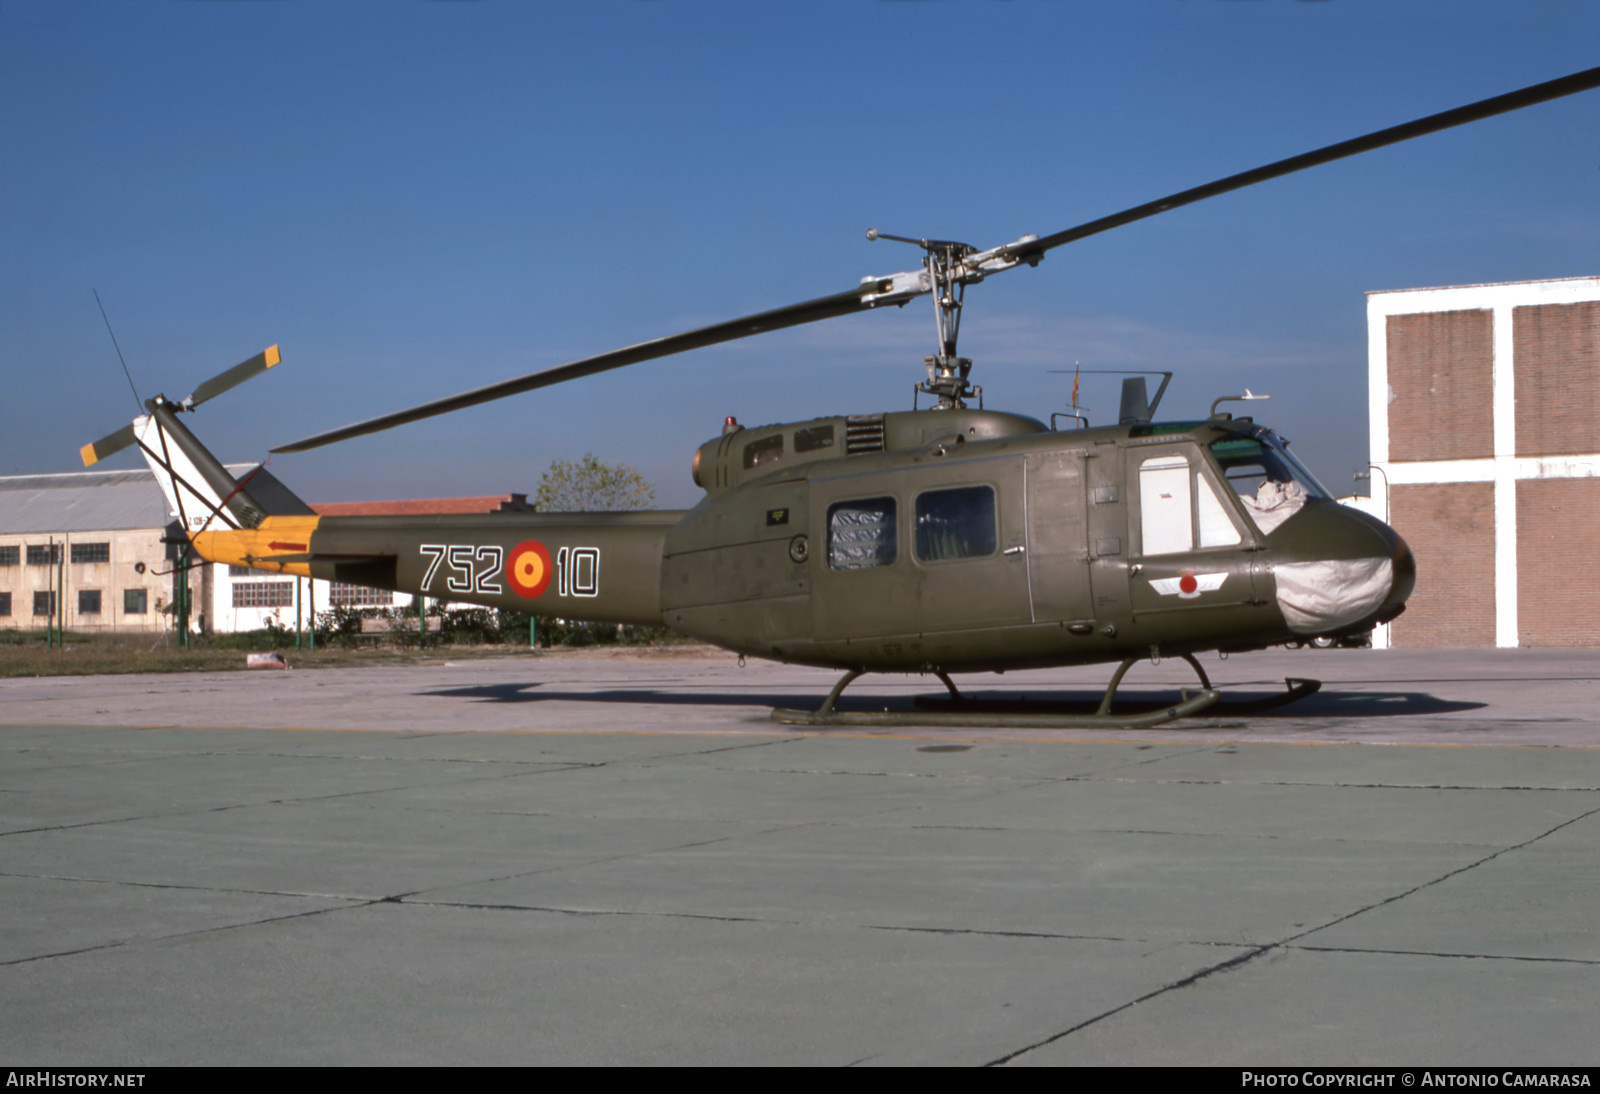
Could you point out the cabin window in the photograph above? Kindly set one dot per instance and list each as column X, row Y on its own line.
column 1164, row 505
column 813, row 437
column 1179, row 509
column 1216, row 530
column 763, row 451
column 1271, row 483
column 861, row 534
column 954, row 524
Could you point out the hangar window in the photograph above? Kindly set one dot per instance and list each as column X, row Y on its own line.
column 135, row 602
column 88, row 601
column 91, row 552
column 5, row 604
column 44, row 603
column 344, row 595
column 264, row 594
column 42, row 554
column 9, row 556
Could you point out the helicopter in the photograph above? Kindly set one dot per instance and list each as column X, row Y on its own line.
column 945, row 539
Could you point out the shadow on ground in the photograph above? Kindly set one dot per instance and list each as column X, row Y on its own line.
column 1324, row 704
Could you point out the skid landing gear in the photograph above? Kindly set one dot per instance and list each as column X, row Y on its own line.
column 961, row 711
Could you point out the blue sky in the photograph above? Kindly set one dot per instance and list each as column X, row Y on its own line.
column 414, row 199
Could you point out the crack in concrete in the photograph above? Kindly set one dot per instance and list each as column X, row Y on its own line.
column 120, row 942
column 1453, row 956
column 1285, row 943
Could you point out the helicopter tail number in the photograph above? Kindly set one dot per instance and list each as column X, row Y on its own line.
column 528, row 568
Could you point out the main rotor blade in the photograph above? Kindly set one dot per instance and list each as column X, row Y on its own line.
column 898, row 288
column 1461, row 115
column 235, row 376
column 825, row 307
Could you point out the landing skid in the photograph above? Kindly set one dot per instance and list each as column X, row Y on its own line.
column 961, row 711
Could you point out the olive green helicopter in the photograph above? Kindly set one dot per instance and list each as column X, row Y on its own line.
column 944, row 539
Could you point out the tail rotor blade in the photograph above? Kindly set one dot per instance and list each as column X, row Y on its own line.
column 108, row 445
column 235, row 376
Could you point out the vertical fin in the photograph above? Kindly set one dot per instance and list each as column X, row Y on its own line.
column 1135, row 402
column 199, row 490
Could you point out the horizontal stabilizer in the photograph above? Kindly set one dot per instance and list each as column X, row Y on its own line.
column 323, row 556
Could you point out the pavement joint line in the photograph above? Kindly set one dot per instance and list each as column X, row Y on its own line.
column 1336, row 785
column 1285, row 943
column 417, row 896
column 233, row 889
column 1192, row 978
column 784, row 740
column 1060, row 936
column 1450, row 955
column 218, row 929
column 1444, row 877
column 229, row 807
column 585, row 912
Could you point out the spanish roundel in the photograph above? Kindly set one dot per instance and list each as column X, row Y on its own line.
column 528, row 568
column 1188, row 584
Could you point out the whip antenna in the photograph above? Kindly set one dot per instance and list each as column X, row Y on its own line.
column 137, row 401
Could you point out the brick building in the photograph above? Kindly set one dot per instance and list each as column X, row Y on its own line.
column 1484, row 404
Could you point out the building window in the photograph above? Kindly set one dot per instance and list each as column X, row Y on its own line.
column 42, row 554
column 10, row 556
column 135, row 602
column 344, row 595
column 5, row 604
column 245, row 571
column 264, row 594
column 44, row 603
column 91, row 552
column 861, row 534
column 955, row 524
column 88, row 601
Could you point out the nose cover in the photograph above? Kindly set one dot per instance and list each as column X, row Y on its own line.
column 1319, row 597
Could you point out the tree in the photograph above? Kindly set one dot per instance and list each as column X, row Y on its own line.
column 589, row 486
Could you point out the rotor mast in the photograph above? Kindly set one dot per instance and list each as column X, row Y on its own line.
column 948, row 267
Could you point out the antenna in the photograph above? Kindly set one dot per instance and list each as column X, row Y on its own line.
column 136, row 400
